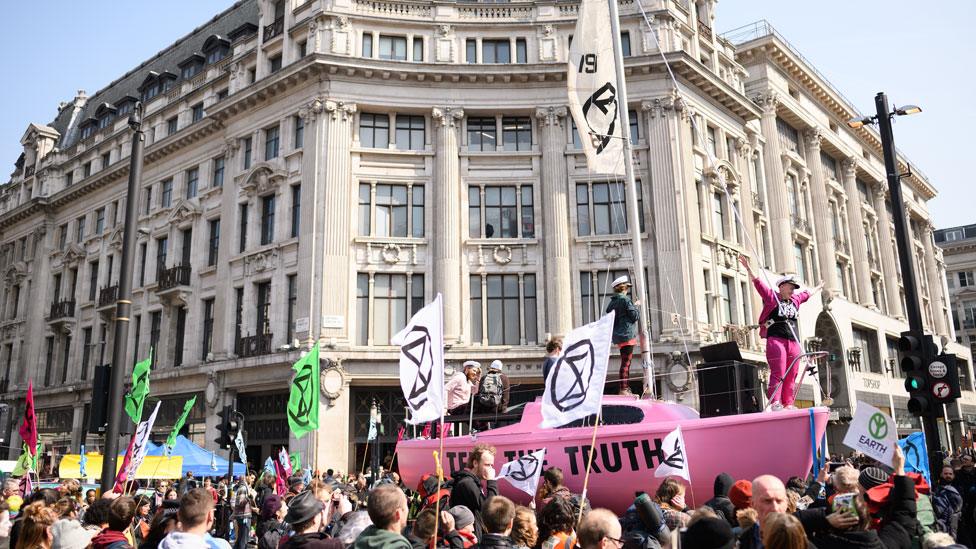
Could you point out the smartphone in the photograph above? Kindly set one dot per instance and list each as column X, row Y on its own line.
column 845, row 502
column 833, row 465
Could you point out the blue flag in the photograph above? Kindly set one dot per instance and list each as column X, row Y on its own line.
column 269, row 466
column 916, row 455
column 83, row 463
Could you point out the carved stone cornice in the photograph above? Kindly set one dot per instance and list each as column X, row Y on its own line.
column 310, row 111
column 340, row 110
column 551, row 116
column 767, row 100
column 813, row 138
column 660, row 106
column 447, row 116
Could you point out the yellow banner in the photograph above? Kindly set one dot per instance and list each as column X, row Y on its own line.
column 152, row 466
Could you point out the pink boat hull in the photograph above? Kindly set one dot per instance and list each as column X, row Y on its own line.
column 744, row 446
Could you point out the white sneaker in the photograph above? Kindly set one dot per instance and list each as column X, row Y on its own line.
column 776, row 406
column 791, row 407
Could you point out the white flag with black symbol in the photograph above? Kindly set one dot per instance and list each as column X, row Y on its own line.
column 574, row 388
column 241, row 449
column 593, row 89
column 675, row 462
column 141, row 446
column 422, row 363
column 524, row 472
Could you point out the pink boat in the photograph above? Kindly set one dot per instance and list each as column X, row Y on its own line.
column 629, row 448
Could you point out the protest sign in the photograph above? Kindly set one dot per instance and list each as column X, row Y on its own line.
column 872, row 432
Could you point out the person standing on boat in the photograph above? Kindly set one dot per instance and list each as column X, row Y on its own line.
column 778, row 324
column 624, row 327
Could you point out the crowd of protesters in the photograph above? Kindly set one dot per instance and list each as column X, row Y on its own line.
column 852, row 503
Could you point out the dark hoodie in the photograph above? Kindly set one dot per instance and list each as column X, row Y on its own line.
column 467, row 492
column 495, row 541
column 721, row 502
column 110, row 539
column 317, row 540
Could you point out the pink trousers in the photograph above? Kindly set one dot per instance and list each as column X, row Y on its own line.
column 780, row 353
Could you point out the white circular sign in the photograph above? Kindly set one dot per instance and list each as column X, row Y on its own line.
column 938, row 369
column 940, row 389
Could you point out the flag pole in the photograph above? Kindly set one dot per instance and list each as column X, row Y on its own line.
column 362, row 470
column 438, row 468
column 589, row 465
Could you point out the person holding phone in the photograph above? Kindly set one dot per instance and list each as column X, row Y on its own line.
column 778, row 324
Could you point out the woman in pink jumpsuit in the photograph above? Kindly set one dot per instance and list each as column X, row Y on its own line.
column 778, row 324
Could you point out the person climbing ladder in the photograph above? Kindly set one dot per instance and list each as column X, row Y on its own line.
column 778, row 324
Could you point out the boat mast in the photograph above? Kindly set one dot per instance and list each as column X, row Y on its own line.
column 633, row 212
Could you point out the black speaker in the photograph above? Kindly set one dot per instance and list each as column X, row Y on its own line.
column 97, row 416
column 728, row 388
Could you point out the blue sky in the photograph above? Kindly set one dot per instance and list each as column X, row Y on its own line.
column 920, row 55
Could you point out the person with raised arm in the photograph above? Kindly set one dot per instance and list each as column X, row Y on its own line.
column 778, row 325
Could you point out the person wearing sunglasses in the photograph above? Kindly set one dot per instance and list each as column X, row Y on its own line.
column 600, row 529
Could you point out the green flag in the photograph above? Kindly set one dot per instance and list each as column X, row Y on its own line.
column 296, row 462
column 171, row 439
column 24, row 463
column 136, row 397
column 303, row 402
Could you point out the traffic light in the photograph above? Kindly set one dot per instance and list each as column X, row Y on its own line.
column 224, row 426
column 915, row 349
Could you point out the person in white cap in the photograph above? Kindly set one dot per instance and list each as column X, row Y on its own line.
column 493, row 391
column 624, row 328
column 778, row 324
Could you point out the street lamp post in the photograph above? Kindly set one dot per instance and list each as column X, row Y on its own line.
column 123, row 305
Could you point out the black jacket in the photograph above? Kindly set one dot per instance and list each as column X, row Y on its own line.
column 467, row 492
column 494, row 541
column 317, row 540
column 899, row 520
column 721, row 502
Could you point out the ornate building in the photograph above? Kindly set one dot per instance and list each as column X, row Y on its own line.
column 958, row 246
column 319, row 170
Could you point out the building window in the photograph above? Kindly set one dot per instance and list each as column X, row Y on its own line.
column 267, row 219
column 208, row 326
column 395, row 298
column 727, row 298
column 601, row 208
column 247, row 152
column 80, row 226
column 299, row 132
column 625, row 43
column 93, row 280
column 302, row 49
column 85, row 352
column 418, row 49
column 505, row 212
column 517, row 133
column 595, row 292
column 62, row 236
column 155, row 325
column 374, row 130
column 521, row 51
column 143, row 252
column 367, row 45
column 500, row 311
column 292, row 302
column 106, row 160
column 867, row 340
column 394, row 210
column 296, row 210
column 263, row 321
column 471, row 50
column 274, row 64
column 192, row 182
column 271, row 138
column 409, row 133
column 180, row 336
column 147, row 194
column 242, row 232
column 496, row 51
column 482, row 134
column 166, row 195
column 49, row 361
column 966, row 279
column 65, row 358
column 99, row 220
column 69, row 178
column 799, row 255
column 393, row 48
column 197, row 111
column 718, row 216
column 86, row 169
column 171, row 126
column 161, row 251
column 238, row 316
column 218, row 172
column 214, row 248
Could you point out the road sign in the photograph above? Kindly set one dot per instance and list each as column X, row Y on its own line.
column 941, row 389
column 938, row 369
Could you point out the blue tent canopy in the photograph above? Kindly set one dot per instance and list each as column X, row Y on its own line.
column 197, row 460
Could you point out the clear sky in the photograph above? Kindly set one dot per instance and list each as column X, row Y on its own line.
column 919, row 53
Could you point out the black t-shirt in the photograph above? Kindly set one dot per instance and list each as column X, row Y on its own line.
column 547, row 365
column 783, row 319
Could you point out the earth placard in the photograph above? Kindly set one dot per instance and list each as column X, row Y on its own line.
column 873, row 433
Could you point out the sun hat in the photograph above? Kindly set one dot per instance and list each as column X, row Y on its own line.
column 620, row 280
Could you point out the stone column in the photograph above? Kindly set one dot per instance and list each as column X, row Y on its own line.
column 672, row 206
column 855, row 222
column 447, row 198
column 555, row 221
column 936, row 297
column 336, row 225
column 826, row 257
column 889, row 258
column 780, row 224
column 310, row 228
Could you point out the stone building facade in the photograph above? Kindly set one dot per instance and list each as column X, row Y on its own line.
column 317, row 171
column 958, row 246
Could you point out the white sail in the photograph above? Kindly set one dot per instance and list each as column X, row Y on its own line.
column 593, row 90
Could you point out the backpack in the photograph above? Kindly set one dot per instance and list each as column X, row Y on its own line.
column 270, row 539
column 491, row 391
